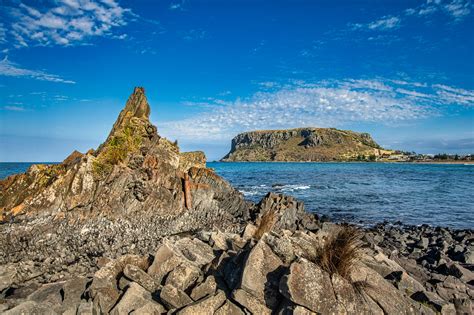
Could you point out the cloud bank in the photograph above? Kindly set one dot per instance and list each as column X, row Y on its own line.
column 324, row 104
column 11, row 69
column 63, row 22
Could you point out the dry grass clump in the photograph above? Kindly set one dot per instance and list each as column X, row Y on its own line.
column 340, row 251
column 267, row 221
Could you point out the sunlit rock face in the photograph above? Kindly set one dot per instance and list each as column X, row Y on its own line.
column 301, row 144
column 134, row 170
column 123, row 197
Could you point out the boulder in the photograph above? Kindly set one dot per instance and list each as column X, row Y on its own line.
column 250, row 302
column 206, row 288
column 173, row 297
column 85, row 308
column 134, row 298
column 30, row 307
column 205, row 306
column 7, row 276
column 72, row 292
column 308, row 285
column 104, row 289
column 382, row 292
column 433, row 300
column 278, row 212
column 404, row 282
column 149, row 308
column 262, row 273
column 139, row 276
column 183, row 276
column 50, row 295
column 229, row 308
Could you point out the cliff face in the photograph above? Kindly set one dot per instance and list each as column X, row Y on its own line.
column 302, row 144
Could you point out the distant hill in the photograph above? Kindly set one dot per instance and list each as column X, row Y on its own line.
column 303, row 144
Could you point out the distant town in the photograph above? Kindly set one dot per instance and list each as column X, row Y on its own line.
column 403, row 156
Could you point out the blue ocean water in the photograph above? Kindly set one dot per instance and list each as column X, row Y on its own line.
column 367, row 193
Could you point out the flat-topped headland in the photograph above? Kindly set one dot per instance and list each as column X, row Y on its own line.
column 303, row 144
column 323, row 145
column 139, row 227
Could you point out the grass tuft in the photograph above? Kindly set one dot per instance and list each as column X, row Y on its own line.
column 266, row 223
column 340, row 251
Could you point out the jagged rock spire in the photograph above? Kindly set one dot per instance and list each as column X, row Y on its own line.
column 136, row 107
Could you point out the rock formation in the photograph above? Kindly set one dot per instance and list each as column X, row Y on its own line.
column 136, row 227
column 126, row 195
column 302, row 144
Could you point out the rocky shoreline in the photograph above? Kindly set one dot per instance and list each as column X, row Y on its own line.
column 407, row 269
column 138, row 227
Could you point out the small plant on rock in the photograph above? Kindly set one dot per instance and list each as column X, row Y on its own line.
column 340, row 251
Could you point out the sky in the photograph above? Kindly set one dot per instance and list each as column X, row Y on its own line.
column 401, row 70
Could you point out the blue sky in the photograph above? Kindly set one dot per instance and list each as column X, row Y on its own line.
column 401, row 70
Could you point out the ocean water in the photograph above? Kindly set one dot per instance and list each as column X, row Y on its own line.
column 366, row 193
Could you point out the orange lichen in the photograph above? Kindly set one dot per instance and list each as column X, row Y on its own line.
column 18, row 209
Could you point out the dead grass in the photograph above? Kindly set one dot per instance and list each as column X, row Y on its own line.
column 340, row 251
column 266, row 223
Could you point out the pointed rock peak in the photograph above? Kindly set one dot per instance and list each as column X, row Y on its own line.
column 133, row 121
column 137, row 104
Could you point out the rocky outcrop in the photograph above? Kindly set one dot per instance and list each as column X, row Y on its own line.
column 195, row 275
column 302, row 144
column 136, row 188
column 136, row 227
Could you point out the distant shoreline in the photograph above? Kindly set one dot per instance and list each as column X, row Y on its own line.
column 358, row 162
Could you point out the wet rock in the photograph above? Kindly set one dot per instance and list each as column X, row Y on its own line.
column 205, row 306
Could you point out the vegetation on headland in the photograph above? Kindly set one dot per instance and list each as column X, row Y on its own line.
column 116, row 150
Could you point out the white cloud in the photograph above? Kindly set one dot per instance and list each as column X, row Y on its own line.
column 65, row 22
column 383, row 24
column 11, row 69
column 326, row 104
column 14, row 108
column 456, row 9
column 177, row 5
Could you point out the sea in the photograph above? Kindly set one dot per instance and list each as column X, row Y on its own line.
column 360, row 193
